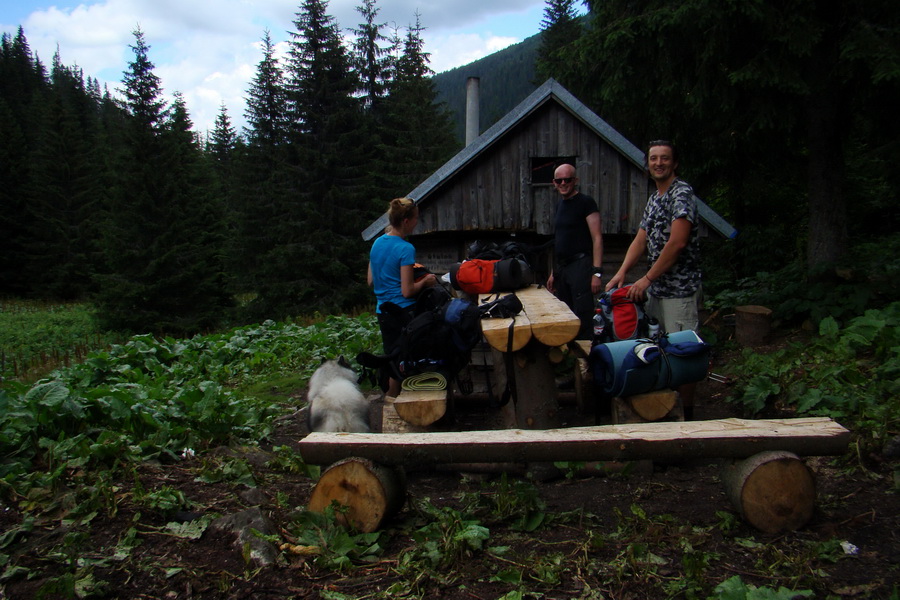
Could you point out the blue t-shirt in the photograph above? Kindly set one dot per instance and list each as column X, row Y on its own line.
column 388, row 254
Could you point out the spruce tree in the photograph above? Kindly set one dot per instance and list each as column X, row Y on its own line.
column 264, row 194
column 64, row 191
column 418, row 130
column 318, row 241
column 23, row 86
column 223, row 149
column 559, row 29
column 766, row 102
column 371, row 57
column 161, row 243
column 196, row 294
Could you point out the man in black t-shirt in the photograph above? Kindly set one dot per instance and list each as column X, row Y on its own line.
column 577, row 273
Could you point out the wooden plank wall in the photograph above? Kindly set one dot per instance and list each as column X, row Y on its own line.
column 494, row 198
column 495, row 192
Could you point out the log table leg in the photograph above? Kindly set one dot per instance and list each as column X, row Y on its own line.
column 774, row 491
column 371, row 492
column 537, row 399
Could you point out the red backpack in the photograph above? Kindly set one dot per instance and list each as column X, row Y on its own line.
column 624, row 318
column 482, row 276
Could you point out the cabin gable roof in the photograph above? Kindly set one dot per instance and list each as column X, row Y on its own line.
column 550, row 91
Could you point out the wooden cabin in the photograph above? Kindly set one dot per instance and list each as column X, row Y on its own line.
column 499, row 188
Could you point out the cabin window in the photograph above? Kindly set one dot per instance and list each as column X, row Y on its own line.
column 542, row 168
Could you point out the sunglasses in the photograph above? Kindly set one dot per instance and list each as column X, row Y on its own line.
column 561, row 180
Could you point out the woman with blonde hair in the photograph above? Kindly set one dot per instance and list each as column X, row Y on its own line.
column 391, row 262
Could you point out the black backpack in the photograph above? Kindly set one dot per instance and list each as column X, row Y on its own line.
column 439, row 337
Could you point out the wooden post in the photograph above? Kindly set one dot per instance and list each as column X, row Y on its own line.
column 774, row 491
column 371, row 492
column 537, row 399
column 752, row 325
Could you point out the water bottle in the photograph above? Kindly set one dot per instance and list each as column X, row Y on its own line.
column 599, row 325
column 652, row 328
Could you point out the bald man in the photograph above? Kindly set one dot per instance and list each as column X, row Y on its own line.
column 577, row 275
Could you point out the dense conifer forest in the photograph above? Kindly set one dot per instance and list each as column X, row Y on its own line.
column 116, row 199
column 783, row 117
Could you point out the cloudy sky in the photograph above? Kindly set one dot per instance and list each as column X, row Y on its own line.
column 208, row 49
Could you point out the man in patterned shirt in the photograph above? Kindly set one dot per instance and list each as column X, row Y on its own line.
column 668, row 232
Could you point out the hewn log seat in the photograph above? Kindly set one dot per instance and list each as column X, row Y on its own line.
column 723, row 438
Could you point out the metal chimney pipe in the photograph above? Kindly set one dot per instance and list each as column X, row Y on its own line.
column 473, row 101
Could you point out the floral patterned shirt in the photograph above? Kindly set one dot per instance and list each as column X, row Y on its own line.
column 683, row 278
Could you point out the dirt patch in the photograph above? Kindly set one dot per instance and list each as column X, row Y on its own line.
column 654, row 531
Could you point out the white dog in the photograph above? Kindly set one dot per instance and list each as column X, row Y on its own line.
column 335, row 402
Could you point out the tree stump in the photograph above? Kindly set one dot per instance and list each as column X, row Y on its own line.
column 661, row 405
column 391, row 422
column 752, row 325
column 421, row 407
column 371, row 492
column 774, row 491
column 653, row 406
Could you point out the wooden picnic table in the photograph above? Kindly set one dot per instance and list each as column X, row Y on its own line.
column 545, row 324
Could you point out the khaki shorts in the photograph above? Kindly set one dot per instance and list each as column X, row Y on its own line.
column 676, row 314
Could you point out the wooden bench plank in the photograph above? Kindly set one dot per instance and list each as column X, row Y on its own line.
column 724, row 438
column 552, row 322
column 496, row 332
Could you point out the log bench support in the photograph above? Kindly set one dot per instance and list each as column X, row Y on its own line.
column 770, row 487
column 661, row 405
column 413, row 410
column 774, row 491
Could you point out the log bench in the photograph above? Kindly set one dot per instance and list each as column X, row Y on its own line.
column 768, row 483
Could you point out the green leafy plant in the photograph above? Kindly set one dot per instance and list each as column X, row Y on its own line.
column 287, row 460
column 234, row 470
column 841, row 293
column 850, row 373
column 334, row 546
column 507, row 499
column 446, row 538
column 735, row 589
column 37, row 337
column 165, row 500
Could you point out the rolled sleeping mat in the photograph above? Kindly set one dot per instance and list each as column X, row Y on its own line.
column 639, row 366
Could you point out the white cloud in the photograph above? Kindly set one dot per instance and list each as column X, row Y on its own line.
column 209, row 49
column 458, row 49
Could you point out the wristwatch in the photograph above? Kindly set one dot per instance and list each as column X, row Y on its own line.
column 598, row 272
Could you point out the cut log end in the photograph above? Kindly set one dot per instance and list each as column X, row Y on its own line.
column 371, row 493
column 653, row 406
column 421, row 408
column 774, row 491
